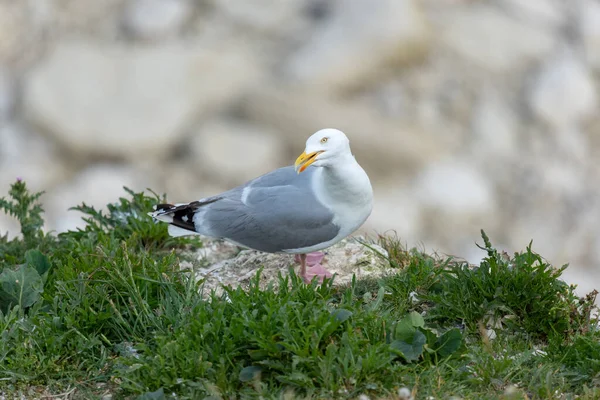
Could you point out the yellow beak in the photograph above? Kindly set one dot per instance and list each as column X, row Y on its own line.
column 304, row 160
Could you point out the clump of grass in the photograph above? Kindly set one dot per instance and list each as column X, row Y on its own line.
column 580, row 358
column 521, row 292
column 255, row 342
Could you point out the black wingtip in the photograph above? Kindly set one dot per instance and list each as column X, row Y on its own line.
column 163, row 207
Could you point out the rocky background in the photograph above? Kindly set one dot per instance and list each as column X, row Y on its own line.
column 466, row 114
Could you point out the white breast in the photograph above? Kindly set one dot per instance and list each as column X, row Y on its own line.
column 347, row 192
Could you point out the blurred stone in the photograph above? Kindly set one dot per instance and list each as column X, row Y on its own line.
column 114, row 100
column 454, row 187
column 18, row 33
column 184, row 182
column 589, row 14
column 494, row 41
column 359, row 41
column 9, row 225
column 395, row 211
column 573, row 143
column 97, row 186
column 91, row 18
column 561, row 177
column 7, row 95
column 384, row 146
column 546, row 12
column 405, row 393
column 263, row 15
column 28, row 156
column 13, row 23
column 233, row 153
column 494, row 126
column 156, row 19
column 564, row 92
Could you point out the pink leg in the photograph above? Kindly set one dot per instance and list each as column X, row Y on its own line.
column 313, row 260
column 302, row 259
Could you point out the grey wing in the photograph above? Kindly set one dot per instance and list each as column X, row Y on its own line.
column 272, row 213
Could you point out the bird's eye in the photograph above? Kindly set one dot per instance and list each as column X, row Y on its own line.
column 324, row 140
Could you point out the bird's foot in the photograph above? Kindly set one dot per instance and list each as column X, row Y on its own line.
column 314, row 267
column 316, row 270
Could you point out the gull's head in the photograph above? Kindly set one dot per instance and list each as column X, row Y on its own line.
column 323, row 148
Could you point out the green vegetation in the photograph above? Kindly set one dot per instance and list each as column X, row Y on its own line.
column 107, row 309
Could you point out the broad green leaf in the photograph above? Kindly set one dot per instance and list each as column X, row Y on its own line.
column 412, row 350
column 416, row 319
column 250, row 373
column 430, row 336
column 37, row 260
column 406, row 327
column 341, row 315
column 21, row 286
column 449, row 343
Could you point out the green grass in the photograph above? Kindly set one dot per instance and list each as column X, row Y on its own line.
column 107, row 309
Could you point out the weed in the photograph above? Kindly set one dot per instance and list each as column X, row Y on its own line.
column 25, row 207
column 519, row 292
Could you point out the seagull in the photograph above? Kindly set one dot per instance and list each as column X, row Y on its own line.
column 300, row 209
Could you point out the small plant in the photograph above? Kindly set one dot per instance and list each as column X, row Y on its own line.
column 520, row 292
column 25, row 208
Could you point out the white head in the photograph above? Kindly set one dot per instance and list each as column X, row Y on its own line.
column 323, row 148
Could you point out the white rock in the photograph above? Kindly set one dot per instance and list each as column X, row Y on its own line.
column 28, row 156
column 97, row 186
column 360, row 39
column 274, row 17
column 156, row 19
column 562, row 178
column 573, row 142
column 9, row 225
column 564, row 92
column 395, row 209
column 404, row 393
column 183, row 182
column 454, row 187
column 494, row 126
column 547, row 12
column 7, row 95
column 15, row 30
column 492, row 40
column 131, row 101
column 589, row 13
column 234, row 153
column 345, row 259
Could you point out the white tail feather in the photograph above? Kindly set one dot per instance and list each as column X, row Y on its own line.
column 161, row 216
column 176, row 231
